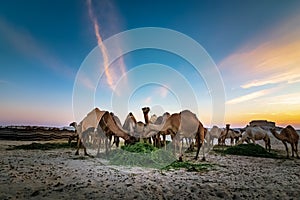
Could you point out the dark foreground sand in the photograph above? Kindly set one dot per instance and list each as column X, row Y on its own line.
column 59, row 174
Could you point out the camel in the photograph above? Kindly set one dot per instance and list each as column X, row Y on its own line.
column 288, row 134
column 179, row 125
column 256, row 133
column 136, row 128
column 153, row 119
column 104, row 118
column 159, row 121
column 214, row 132
column 118, row 122
column 232, row 134
column 146, row 110
column 75, row 135
column 130, row 124
column 108, row 126
column 107, row 134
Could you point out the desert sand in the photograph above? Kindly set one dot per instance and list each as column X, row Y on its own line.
column 59, row 174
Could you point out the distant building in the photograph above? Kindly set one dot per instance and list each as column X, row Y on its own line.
column 263, row 123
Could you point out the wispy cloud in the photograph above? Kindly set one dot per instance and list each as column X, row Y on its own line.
column 276, row 60
column 27, row 45
column 108, row 73
column 251, row 96
column 2, row 82
column 148, row 100
column 162, row 91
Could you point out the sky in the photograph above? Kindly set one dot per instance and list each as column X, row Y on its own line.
column 44, row 45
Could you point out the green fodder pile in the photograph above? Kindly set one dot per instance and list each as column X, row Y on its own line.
column 251, row 149
column 141, row 155
column 146, row 155
column 43, row 146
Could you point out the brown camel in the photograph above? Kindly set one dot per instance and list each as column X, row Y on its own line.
column 75, row 135
column 159, row 121
column 232, row 134
column 288, row 134
column 146, row 110
column 179, row 125
column 107, row 123
column 110, row 126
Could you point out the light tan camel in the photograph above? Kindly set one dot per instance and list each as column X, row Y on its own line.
column 91, row 120
column 256, row 133
column 214, row 132
column 153, row 119
column 130, row 124
column 136, row 128
column 288, row 134
column 179, row 125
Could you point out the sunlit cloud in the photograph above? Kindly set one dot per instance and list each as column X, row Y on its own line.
column 248, row 97
column 274, row 61
column 287, row 99
column 27, row 45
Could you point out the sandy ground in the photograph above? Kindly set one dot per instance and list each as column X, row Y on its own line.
column 59, row 174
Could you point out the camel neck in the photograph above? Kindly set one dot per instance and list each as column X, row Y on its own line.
column 146, row 118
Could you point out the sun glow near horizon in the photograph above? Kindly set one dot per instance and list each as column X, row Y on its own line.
column 268, row 81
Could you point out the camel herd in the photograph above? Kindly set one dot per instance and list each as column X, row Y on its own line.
column 101, row 126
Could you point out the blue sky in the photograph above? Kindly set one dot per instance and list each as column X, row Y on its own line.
column 254, row 44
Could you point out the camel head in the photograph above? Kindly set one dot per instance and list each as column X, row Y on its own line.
column 146, row 110
column 273, row 130
column 131, row 140
column 74, row 124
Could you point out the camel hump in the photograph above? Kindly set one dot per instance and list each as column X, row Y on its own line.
column 290, row 127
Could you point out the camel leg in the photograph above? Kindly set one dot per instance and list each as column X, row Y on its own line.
column 180, row 150
column 296, row 149
column 84, row 149
column 78, row 146
column 165, row 142
column 286, row 148
column 99, row 145
column 200, row 142
column 293, row 149
column 266, row 144
column 106, row 145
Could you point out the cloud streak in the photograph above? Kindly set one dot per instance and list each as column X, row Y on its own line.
column 274, row 61
column 287, row 99
column 102, row 47
column 248, row 97
column 118, row 68
column 26, row 44
column 2, row 82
